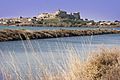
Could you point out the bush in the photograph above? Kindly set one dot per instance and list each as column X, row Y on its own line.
column 103, row 64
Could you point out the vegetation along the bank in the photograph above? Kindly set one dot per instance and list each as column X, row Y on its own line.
column 102, row 64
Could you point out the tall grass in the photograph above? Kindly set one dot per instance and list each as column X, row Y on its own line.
column 102, row 64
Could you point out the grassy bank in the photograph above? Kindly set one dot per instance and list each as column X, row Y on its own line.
column 12, row 35
column 103, row 64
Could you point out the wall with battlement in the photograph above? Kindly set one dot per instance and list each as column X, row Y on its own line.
column 59, row 14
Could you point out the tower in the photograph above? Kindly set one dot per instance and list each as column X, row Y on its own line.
column 76, row 15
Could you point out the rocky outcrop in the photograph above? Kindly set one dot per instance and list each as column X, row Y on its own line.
column 12, row 35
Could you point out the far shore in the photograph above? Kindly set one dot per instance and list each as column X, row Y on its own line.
column 13, row 35
column 41, row 25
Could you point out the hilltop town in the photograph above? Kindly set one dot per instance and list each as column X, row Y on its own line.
column 59, row 18
column 59, row 14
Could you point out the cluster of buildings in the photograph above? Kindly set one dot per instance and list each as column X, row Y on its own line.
column 13, row 21
column 109, row 23
column 101, row 23
column 59, row 14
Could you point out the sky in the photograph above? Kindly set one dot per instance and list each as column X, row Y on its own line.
column 91, row 9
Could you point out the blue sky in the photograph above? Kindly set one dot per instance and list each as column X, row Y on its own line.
column 91, row 9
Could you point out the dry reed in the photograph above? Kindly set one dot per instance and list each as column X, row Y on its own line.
column 103, row 64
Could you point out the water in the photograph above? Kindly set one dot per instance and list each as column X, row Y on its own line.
column 49, row 28
column 58, row 46
column 53, row 50
column 40, row 28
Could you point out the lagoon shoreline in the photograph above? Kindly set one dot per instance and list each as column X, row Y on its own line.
column 41, row 25
column 15, row 35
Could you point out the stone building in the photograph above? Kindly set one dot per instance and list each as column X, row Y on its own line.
column 59, row 14
column 46, row 15
column 76, row 15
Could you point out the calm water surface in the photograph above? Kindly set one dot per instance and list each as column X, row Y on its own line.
column 55, row 49
column 40, row 28
column 49, row 28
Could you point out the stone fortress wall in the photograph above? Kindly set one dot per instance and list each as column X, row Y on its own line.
column 59, row 14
